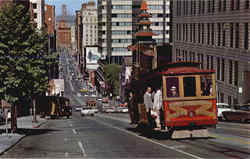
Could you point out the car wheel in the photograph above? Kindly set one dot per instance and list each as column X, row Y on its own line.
column 92, row 114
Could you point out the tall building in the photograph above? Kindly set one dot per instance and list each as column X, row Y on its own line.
column 216, row 33
column 117, row 25
column 50, row 26
column 38, row 12
column 89, row 21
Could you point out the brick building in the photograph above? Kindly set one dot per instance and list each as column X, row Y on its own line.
column 63, row 34
column 216, row 33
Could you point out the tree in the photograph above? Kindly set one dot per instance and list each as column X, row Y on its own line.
column 112, row 76
column 23, row 59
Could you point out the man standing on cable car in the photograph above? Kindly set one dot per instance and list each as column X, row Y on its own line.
column 148, row 104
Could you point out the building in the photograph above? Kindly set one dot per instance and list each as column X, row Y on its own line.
column 38, row 13
column 63, row 34
column 89, row 21
column 78, row 36
column 50, row 26
column 117, row 25
column 216, row 33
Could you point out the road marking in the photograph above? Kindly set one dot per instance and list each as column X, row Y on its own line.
column 70, row 125
column 82, row 149
column 157, row 143
column 66, row 154
column 231, row 139
column 74, row 131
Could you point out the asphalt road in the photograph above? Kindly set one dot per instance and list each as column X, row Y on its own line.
column 110, row 136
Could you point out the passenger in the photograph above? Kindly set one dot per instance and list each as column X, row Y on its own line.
column 173, row 92
column 157, row 107
column 148, row 104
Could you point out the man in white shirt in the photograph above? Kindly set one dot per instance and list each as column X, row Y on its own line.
column 157, row 107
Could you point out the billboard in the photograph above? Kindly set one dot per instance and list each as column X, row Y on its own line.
column 92, row 55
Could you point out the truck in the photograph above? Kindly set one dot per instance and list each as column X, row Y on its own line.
column 56, row 87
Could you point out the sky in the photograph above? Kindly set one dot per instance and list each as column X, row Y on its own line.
column 72, row 5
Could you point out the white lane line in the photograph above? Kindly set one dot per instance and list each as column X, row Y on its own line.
column 82, row 149
column 74, row 131
column 66, row 154
column 157, row 143
column 70, row 125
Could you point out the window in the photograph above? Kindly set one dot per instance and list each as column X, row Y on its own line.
column 224, row 37
column 219, row 34
column 206, row 85
column 35, row 15
column 230, row 71
column 224, row 5
column 219, row 5
column 231, row 34
column 208, row 33
column 189, row 85
column 212, row 33
column 207, row 61
column 237, row 35
column 236, row 73
column 202, row 33
column 218, row 68
column 34, row 5
column 246, row 36
column 232, row 4
column 246, row 4
column 199, row 33
column 237, row 4
column 222, row 69
column 172, row 87
column 194, row 30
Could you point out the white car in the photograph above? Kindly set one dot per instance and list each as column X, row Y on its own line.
column 87, row 111
column 221, row 107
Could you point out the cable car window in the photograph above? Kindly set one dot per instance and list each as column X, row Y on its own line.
column 206, row 85
column 172, row 87
column 189, row 86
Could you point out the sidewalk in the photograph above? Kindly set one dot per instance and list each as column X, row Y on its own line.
column 9, row 140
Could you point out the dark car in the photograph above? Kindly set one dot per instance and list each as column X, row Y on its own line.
column 240, row 113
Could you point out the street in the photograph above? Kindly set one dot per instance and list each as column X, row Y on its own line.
column 109, row 135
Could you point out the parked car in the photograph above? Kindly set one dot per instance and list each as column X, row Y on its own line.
column 87, row 111
column 221, row 107
column 240, row 113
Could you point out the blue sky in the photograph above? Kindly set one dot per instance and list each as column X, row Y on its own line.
column 72, row 5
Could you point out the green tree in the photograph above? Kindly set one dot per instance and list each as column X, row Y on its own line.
column 112, row 76
column 23, row 56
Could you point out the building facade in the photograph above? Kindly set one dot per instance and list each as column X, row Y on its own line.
column 89, row 21
column 216, row 33
column 38, row 12
column 50, row 26
column 117, row 25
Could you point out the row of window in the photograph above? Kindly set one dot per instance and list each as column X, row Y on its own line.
column 193, row 7
column 121, row 32
column 121, row 23
column 224, row 68
column 214, row 34
column 121, row 40
column 119, row 49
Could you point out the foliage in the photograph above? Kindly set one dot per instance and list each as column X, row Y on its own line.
column 112, row 76
column 23, row 56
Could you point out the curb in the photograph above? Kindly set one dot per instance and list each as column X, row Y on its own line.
column 12, row 145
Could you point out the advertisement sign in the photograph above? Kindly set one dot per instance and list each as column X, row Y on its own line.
column 92, row 55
